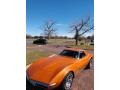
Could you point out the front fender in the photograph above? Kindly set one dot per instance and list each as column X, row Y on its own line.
column 60, row 76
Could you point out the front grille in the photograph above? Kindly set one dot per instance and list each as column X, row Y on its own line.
column 39, row 84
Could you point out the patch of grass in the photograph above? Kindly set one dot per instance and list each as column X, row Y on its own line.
column 34, row 55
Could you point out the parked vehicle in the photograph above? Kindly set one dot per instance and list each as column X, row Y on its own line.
column 41, row 41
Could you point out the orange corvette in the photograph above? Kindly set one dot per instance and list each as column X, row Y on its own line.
column 57, row 70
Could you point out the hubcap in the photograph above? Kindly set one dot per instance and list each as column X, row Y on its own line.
column 68, row 83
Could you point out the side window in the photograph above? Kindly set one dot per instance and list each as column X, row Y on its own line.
column 82, row 54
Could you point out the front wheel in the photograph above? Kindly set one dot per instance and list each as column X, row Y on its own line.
column 67, row 82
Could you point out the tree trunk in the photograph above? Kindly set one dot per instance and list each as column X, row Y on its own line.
column 76, row 41
column 77, row 36
column 48, row 37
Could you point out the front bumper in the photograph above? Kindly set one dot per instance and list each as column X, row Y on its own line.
column 42, row 85
column 39, row 84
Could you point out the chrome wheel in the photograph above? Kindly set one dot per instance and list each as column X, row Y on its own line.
column 68, row 81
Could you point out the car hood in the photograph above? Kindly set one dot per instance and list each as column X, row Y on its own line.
column 45, row 69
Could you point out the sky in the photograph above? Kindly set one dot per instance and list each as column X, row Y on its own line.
column 64, row 12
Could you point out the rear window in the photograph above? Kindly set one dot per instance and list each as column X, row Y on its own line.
column 82, row 54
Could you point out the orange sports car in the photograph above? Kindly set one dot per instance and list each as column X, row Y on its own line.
column 57, row 70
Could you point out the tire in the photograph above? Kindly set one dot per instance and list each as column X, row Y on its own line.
column 89, row 64
column 67, row 82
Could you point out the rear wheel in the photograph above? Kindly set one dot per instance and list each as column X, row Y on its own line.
column 67, row 82
column 89, row 64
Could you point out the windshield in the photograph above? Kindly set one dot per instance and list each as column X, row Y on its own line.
column 69, row 53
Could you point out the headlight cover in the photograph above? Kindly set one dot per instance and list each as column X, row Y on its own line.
column 52, row 84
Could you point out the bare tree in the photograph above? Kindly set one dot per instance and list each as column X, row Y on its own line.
column 81, row 28
column 49, row 28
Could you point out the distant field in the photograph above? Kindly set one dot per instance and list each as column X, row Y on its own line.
column 64, row 42
column 33, row 52
column 69, row 43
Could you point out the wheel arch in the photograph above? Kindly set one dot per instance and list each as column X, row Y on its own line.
column 61, row 75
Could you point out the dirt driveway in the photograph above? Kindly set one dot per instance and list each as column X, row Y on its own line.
column 84, row 80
